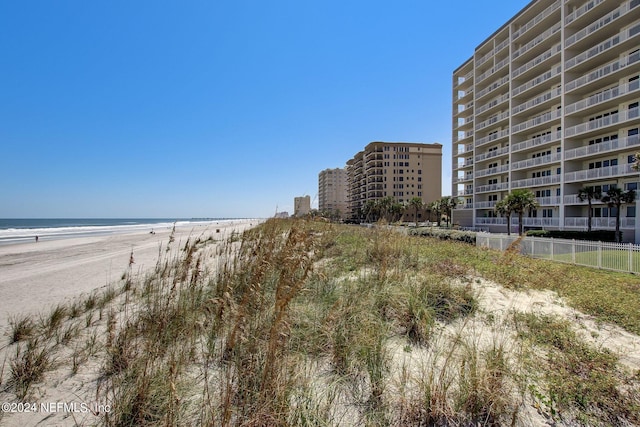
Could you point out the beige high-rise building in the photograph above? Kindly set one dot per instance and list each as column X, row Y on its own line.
column 402, row 170
column 549, row 102
column 301, row 205
column 332, row 192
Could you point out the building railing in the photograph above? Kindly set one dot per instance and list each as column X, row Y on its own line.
column 604, row 96
column 492, row 137
column 491, row 120
column 538, row 80
column 603, row 71
column 557, row 48
column 542, row 37
column 549, row 201
column 491, row 154
column 607, row 19
column 492, row 187
column 536, row 182
column 623, row 257
column 491, row 171
column 603, row 147
column 538, row 120
column 537, row 161
column 495, row 101
column 495, row 85
column 581, row 11
column 602, row 122
column 597, row 173
column 606, row 222
column 606, row 45
column 551, row 94
column 536, row 142
column 485, row 204
column 539, row 17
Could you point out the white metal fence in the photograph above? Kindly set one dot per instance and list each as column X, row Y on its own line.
column 623, row 257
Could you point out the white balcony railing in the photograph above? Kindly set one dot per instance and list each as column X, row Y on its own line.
column 491, row 120
column 595, row 26
column 539, row 17
column 604, row 96
column 608, row 222
column 536, row 182
column 495, row 101
column 603, row 147
column 493, row 86
column 542, row 37
column 492, row 154
column 598, row 173
column 603, row 71
column 582, row 10
column 485, row 205
column 542, row 160
column 492, row 137
column 551, row 94
column 548, row 201
column 491, row 171
column 606, row 45
column 538, row 80
column 492, row 187
column 557, row 48
column 536, row 142
column 491, row 221
column 602, row 122
column 539, row 120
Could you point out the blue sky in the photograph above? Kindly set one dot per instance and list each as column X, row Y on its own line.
column 217, row 108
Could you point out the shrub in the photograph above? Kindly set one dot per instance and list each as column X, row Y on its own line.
column 446, row 234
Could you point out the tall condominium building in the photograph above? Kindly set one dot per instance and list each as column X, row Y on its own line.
column 549, row 102
column 332, row 191
column 402, row 170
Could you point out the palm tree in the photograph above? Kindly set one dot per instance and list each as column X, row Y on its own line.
column 615, row 197
column 370, row 211
column 436, row 207
column 589, row 194
column 519, row 201
column 502, row 208
column 416, row 204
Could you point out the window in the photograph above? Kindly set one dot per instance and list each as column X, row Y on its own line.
column 631, row 211
column 631, row 186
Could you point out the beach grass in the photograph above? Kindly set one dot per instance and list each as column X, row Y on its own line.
column 298, row 322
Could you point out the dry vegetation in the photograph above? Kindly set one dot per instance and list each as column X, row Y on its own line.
column 313, row 324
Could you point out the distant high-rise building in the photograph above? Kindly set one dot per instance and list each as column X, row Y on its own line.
column 332, row 192
column 301, row 205
column 401, row 170
column 549, row 102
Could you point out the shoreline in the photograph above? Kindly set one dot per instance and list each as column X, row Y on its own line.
column 37, row 276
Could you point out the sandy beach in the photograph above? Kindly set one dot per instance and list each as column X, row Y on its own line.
column 36, row 276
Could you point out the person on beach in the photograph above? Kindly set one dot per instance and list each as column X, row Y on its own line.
column 36, row 239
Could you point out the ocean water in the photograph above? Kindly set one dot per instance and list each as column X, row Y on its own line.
column 25, row 230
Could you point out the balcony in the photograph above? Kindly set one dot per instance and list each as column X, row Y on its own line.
column 548, row 201
column 494, row 102
column 491, row 154
column 468, row 163
column 468, row 78
column 538, row 18
column 604, row 71
column 466, row 135
column 600, row 23
column 491, row 221
column 491, row 171
column 600, row 173
column 536, row 142
column 573, row 199
column 495, row 85
column 555, row 71
column 468, row 148
column 492, row 187
column 603, row 47
column 535, row 42
column 523, row 69
column 492, row 120
column 536, row 182
column 581, row 222
column 493, row 137
column 604, row 96
column 603, row 147
column 581, row 11
column 538, row 101
column 485, row 205
column 542, row 160
column 543, row 119
column 602, row 123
